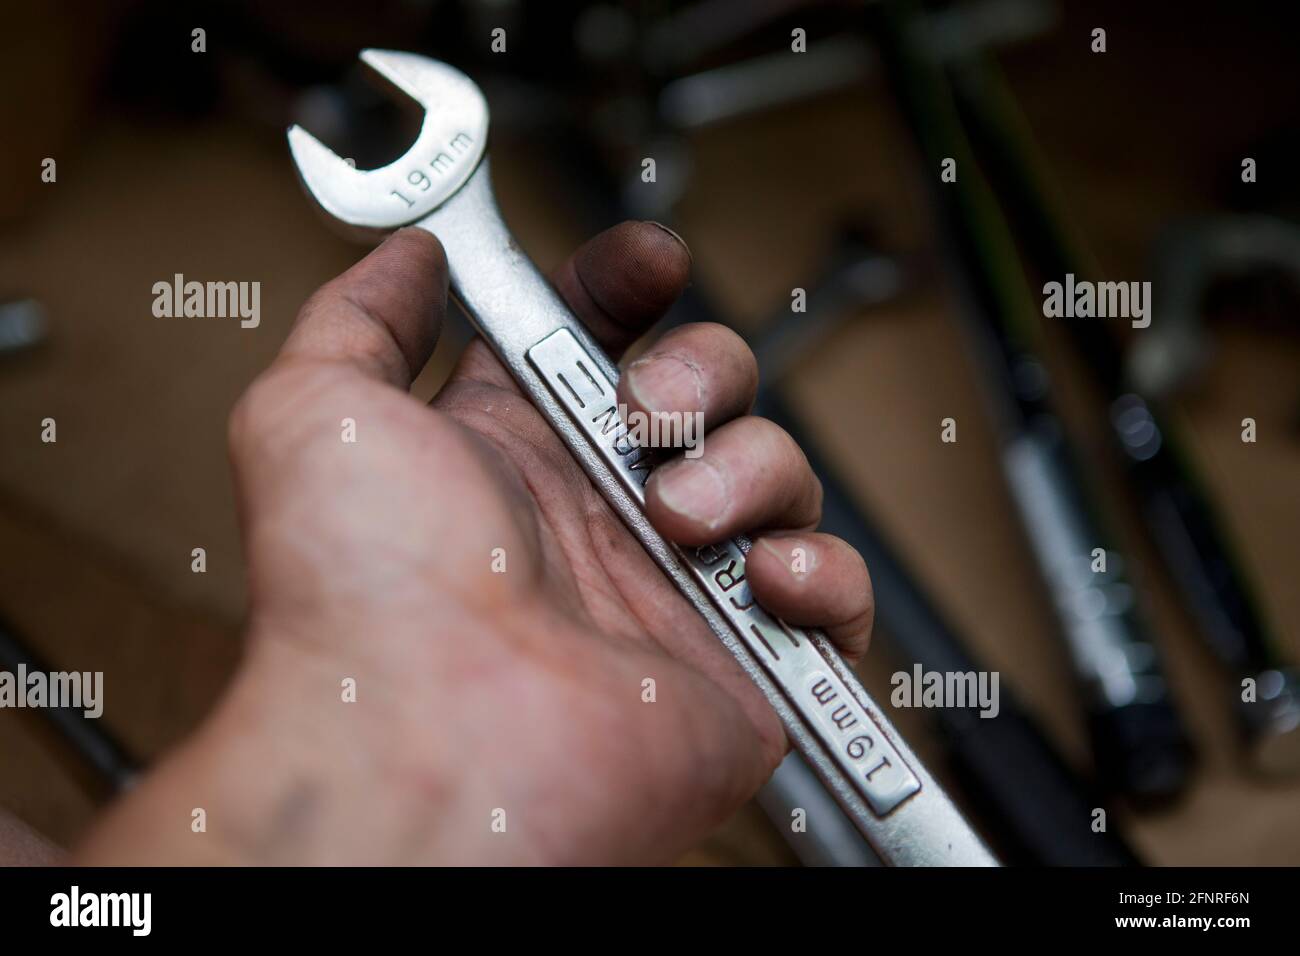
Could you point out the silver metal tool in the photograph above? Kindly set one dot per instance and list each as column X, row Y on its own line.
column 442, row 184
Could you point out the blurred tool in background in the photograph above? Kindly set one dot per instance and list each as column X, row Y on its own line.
column 99, row 750
column 1141, row 748
column 23, row 326
column 1161, row 470
column 1032, row 805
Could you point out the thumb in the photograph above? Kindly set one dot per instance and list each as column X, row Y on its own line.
column 381, row 317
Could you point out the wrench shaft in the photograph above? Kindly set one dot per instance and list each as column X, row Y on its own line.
column 828, row 715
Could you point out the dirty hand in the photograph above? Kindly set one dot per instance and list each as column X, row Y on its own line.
column 450, row 634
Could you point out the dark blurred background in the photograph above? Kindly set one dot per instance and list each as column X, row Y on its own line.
column 782, row 170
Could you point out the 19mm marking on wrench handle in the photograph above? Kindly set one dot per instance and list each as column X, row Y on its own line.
column 443, row 185
column 788, row 655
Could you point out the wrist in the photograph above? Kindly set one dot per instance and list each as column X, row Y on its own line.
column 288, row 770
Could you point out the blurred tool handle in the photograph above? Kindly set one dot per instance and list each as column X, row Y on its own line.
column 1140, row 743
column 95, row 745
column 1187, row 534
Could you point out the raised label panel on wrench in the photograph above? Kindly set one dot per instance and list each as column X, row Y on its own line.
column 854, row 740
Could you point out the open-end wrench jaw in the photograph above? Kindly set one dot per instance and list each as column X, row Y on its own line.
column 452, row 142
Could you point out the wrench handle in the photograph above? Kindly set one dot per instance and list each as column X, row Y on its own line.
column 830, row 718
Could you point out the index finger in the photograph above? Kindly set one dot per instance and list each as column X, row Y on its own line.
column 623, row 280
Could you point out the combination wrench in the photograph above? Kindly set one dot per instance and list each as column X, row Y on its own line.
column 442, row 184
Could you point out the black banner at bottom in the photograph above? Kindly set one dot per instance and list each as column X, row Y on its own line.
column 616, row 906
column 729, row 904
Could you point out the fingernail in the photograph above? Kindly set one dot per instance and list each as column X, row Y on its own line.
column 657, row 382
column 695, row 489
column 795, row 556
column 675, row 236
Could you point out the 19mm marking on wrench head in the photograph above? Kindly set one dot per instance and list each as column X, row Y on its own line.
column 443, row 185
column 452, row 141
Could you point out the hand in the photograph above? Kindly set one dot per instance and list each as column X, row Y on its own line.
column 479, row 691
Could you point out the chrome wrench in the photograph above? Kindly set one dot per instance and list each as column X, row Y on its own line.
column 442, row 184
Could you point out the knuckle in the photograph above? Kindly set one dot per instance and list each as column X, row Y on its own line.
column 253, row 414
column 816, row 495
column 868, row 593
column 782, row 445
column 736, row 356
column 725, row 337
column 861, row 601
column 746, row 361
column 242, row 422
